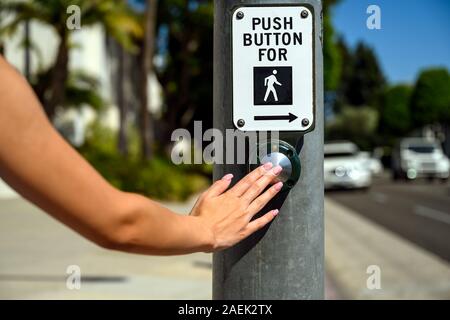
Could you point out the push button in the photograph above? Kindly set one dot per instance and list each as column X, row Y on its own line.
column 280, row 153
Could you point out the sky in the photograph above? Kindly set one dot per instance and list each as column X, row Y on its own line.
column 414, row 34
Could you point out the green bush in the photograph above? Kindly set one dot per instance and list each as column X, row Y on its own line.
column 157, row 178
column 357, row 124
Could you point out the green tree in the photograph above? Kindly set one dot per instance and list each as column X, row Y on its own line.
column 187, row 74
column 395, row 112
column 82, row 89
column 331, row 56
column 367, row 82
column 430, row 102
column 112, row 14
column 346, row 56
column 357, row 124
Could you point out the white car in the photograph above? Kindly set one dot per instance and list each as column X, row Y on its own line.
column 417, row 157
column 344, row 167
column 373, row 164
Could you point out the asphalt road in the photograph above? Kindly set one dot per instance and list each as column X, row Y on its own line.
column 418, row 211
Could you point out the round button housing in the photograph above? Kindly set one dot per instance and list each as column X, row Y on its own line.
column 280, row 153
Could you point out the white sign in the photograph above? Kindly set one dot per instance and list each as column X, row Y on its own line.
column 273, row 68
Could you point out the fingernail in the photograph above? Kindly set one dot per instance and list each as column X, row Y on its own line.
column 278, row 186
column 277, row 170
column 275, row 212
column 267, row 165
column 227, row 177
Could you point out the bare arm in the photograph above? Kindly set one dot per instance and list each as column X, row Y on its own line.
column 40, row 165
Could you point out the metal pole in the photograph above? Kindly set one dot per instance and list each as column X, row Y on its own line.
column 285, row 260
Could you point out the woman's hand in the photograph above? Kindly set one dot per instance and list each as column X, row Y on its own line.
column 39, row 163
column 226, row 216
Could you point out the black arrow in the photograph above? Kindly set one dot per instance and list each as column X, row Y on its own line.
column 291, row 117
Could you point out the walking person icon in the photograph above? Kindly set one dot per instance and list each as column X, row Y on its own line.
column 270, row 82
column 272, row 85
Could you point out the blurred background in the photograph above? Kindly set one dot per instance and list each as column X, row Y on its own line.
column 131, row 72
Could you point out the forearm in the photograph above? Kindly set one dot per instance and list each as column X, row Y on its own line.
column 39, row 164
column 45, row 169
column 153, row 229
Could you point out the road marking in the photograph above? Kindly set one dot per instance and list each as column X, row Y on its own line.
column 379, row 197
column 432, row 214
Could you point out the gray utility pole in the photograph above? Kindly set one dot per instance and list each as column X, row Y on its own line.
column 286, row 259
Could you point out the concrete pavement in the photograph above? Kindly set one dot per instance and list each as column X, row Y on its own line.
column 6, row 192
column 36, row 250
column 418, row 211
column 353, row 243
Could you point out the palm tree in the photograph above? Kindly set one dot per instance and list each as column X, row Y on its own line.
column 27, row 50
column 114, row 15
column 122, row 142
column 1, row 43
column 146, row 57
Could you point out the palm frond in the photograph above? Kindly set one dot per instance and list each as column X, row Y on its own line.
column 118, row 20
column 24, row 11
column 82, row 89
column 10, row 28
column 114, row 15
column 33, row 47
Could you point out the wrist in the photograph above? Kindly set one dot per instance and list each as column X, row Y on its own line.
column 202, row 235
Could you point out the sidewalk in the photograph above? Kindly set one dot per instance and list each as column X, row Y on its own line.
column 36, row 251
column 353, row 243
column 6, row 192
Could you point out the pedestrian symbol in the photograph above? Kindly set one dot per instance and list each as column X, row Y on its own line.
column 269, row 83
column 272, row 85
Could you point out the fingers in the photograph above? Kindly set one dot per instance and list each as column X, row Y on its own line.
column 263, row 199
column 261, row 184
column 259, row 223
column 249, row 179
column 220, row 185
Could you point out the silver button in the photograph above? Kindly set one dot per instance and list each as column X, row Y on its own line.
column 279, row 159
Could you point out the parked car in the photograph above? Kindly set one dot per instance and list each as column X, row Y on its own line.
column 373, row 164
column 417, row 157
column 344, row 167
